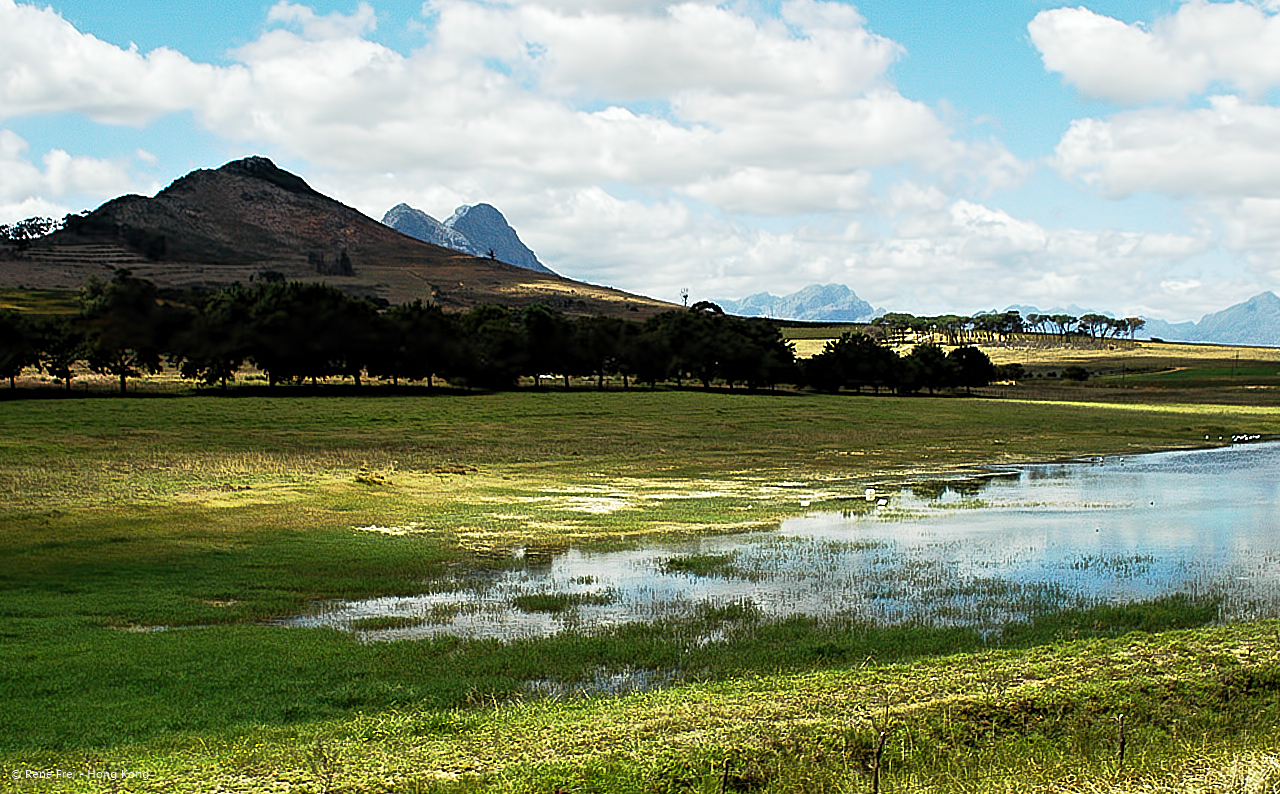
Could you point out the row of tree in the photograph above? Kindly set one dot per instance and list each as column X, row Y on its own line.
column 1000, row 326
column 856, row 361
column 295, row 332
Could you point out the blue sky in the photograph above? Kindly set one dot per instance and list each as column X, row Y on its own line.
column 936, row 156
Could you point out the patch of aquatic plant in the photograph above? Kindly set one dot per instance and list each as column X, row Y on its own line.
column 1121, row 565
column 738, row 610
column 699, row 564
column 383, row 622
column 561, row 602
column 1168, row 613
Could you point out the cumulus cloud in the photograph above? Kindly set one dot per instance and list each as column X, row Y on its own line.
column 28, row 189
column 47, row 66
column 644, row 144
column 1227, row 149
column 696, row 47
column 1202, row 44
column 331, row 26
column 686, row 95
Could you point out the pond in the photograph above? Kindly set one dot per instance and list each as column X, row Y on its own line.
column 976, row 552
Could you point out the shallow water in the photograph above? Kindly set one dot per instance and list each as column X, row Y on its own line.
column 977, row 552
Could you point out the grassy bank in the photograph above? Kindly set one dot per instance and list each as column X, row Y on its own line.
column 1200, row 706
column 148, row 540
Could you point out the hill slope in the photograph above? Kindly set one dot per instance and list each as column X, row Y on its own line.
column 214, row 227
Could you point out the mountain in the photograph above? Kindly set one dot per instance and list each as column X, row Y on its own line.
column 1170, row 332
column 1254, row 322
column 479, row 230
column 421, row 226
column 251, row 219
column 814, row 303
column 492, row 236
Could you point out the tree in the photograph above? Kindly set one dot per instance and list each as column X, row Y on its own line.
column 18, row 346
column 419, row 341
column 603, row 342
column 1095, row 325
column 494, row 351
column 216, row 342
column 970, row 367
column 852, row 361
column 550, row 337
column 759, row 354
column 23, row 232
column 124, row 326
column 61, row 343
column 310, row 330
column 651, row 355
column 925, row 367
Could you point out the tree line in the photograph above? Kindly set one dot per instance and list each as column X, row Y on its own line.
column 993, row 327
column 296, row 332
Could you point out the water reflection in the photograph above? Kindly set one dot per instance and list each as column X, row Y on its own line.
column 976, row 552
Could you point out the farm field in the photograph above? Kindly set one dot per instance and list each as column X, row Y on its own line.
column 151, row 543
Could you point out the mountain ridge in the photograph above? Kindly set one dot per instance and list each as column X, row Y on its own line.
column 814, row 303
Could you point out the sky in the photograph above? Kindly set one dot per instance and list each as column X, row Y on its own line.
column 936, row 156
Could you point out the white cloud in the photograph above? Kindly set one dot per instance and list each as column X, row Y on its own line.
column 331, row 26
column 1202, row 44
column 47, row 66
column 605, row 130
column 696, row 47
column 27, row 189
column 759, row 191
column 686, row 96
column 1227, row 149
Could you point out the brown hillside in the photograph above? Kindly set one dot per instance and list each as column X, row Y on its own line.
column 214, row 227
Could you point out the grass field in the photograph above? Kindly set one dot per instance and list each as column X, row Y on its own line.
column 149, row 542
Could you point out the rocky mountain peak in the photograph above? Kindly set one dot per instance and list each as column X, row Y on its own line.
column 476, row 229
column 421, row 226
column 262, row 168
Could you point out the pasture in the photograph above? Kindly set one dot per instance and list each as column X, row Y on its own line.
column 150, row 544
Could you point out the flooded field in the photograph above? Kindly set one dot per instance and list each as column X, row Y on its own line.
column 975, row 552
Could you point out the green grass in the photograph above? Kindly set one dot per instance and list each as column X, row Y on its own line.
column 1222, row 375
column 698, row 564
column 149, row 542
column 383, row 622
column 959, row 719
column 40, row 301
column 560, row 602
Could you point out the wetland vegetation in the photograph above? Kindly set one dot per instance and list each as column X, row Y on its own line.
column 152, row 545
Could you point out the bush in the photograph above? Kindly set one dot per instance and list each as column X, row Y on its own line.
column 1075, row 372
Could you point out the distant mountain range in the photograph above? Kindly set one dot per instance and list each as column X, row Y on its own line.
column 1254, row 322
column 476, row 229
column 814, row 303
